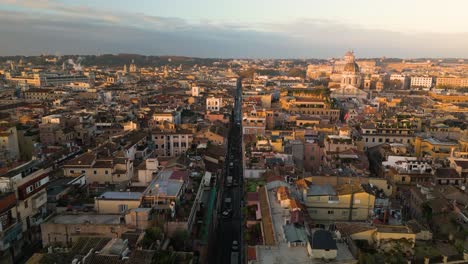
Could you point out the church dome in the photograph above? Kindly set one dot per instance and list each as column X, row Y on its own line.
column 351, row 67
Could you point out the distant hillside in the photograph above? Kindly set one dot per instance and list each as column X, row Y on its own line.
column 117, row 60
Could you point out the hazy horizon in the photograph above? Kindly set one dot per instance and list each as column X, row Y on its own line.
column 243, row 29
column 339, row 56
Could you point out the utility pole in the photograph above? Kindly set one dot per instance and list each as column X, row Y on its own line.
column 351, row 204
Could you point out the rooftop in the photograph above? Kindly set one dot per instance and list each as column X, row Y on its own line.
column 30, row 166
column 349, row 228
column 85, row 159
column 120, row 196
column 322, row 239
column 163, row 187
column 319, row 190
column 393, row 229
column 295, row 233
column 73, row 219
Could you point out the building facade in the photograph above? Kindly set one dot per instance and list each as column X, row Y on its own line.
column 348, row 202
column 171, row 143
column 214, row 104
column 421, row 82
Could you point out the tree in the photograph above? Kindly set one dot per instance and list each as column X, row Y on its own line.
column 179, row 238
column 164, row 257
column 444, row 86
column 151, row 236
column 249, row 73
column 393, row 84
column 297, row 72
column 427, row 212
column 269, row 72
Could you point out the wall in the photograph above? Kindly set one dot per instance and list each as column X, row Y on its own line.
column 365, row 235
column 335, row 181
column 380, row 237
column 424, row 235
column 312, row 156
column 31, row 206
column 319, row 207
column 253, row 173
column 105, row 206
column 173, row 226
column 319, row 253
column 100, row 176
column 63, row 233
column 138, row 219
column 9, row 144
column 383, row 184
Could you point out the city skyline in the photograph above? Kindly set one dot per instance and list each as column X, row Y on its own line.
column 210, row 29
column 234, row 132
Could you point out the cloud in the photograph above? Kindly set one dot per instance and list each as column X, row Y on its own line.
column 50, row 26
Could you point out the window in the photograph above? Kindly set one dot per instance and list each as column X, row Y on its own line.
column 77, row 229
column 26, row 204
column 72, row 171
column 123, row 207
column 403, row 179
column 312, row 158
column 95, row 172
column 83, row 171
column 106, row 172
column 29, row 189
column 330, row 212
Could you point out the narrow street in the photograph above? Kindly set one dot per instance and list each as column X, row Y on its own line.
column 229, row 228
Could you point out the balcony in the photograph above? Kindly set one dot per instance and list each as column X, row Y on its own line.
column 9, row 235
column 39, row 200
column 38, row 219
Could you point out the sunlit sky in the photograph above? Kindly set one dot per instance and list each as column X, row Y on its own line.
column 242, row 28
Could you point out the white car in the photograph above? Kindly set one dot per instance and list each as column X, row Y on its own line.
column 235, row 245
column 227, row 213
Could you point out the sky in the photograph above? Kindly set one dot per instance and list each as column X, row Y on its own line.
column 236, row 29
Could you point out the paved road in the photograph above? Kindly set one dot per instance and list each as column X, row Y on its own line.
column 229, row 229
